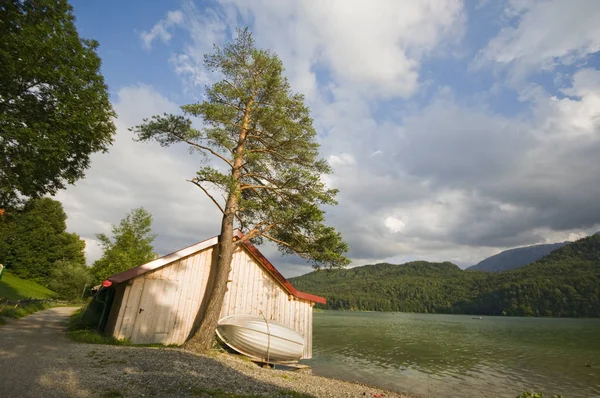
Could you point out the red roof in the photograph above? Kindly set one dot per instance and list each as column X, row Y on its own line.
column 188, row 251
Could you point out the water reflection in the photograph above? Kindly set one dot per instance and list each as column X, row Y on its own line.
column 453, row 355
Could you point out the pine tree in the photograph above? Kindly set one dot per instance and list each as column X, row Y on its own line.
column 267, row 168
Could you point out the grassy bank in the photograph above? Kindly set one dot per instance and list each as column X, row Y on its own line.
column 10, row 311
column 14, row 288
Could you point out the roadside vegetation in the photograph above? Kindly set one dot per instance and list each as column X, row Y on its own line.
column 81, row 329
column 24, row 310
column 528, row 394
column 35, row 246
column 13, row 288
column 218, row 393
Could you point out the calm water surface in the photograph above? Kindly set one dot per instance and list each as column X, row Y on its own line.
column 457, row 356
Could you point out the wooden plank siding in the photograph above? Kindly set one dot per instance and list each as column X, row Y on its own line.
column 171, row 296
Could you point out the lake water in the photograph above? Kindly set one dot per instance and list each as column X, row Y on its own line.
column 458, row 356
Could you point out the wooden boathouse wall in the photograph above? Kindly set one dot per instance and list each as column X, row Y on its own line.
column 161, row 305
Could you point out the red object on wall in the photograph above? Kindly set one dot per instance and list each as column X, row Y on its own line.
column 106, row 283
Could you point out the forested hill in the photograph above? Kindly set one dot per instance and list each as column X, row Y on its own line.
column 515, row 258
column 564, row 283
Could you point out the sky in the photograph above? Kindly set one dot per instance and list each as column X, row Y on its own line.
column 455, row 129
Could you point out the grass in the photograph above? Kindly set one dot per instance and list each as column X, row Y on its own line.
column 294, row 394
column 24, row 310
column 80, row 332
column 15, row 288
column 93, row 337
column 111, row 393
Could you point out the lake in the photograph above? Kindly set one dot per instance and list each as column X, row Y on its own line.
column 458, row 356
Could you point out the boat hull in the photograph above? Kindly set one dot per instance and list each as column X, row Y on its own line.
column 261, row 339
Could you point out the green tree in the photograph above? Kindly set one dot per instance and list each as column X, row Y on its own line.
column 130, row 245
column 564, row 283
column 54, row 105
column 35, row 237
column 269, row 173
column 69, row 279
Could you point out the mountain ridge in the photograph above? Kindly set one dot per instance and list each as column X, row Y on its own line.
column 516, row 258
column 564, row 283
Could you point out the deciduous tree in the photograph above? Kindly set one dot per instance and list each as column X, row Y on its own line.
column 69, row 279
column 35, row 237
column 54, row 105
column 130, row 245
column 266, row 165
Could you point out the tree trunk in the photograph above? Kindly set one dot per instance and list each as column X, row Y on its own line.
column 202, row 340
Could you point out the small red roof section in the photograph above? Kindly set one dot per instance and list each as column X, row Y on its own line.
column 188, row 251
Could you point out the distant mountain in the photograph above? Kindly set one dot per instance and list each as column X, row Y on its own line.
column 564, row 283
column 515, row 258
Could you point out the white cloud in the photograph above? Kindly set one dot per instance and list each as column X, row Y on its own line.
column 546, row 33
column 466, row 182
column 394, row 224
column 161, row 29
column 135, row 174
column 336, row 35
column 340, row 160
column 440, row 181
column 373, row 48
column 205, row 28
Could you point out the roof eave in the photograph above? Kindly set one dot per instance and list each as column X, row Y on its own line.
column 205, row 244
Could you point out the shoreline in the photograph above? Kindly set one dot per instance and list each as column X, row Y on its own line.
column 324, row 311
column 174, row 372
column 302, row 382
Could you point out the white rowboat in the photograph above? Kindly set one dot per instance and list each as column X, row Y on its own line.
column 261, row 339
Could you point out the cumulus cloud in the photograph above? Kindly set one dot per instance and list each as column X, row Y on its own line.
column 544, row 34
column 135, row 174
column 465, row 181
column 436, row 177
column 340, row 36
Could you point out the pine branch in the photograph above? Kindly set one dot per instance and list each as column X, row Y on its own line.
column 244, row 187
column 256, row 231
column 233, row 86
column 278, row 155
column 205, row 148
column 196, row 183
column 298, row 252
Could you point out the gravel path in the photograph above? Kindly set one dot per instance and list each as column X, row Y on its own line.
column 37, row 360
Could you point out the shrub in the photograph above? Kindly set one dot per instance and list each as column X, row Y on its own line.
column 68, row 279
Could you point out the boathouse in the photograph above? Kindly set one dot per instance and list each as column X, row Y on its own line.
column 162, row 301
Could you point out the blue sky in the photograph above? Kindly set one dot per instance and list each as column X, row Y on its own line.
column 455, row 129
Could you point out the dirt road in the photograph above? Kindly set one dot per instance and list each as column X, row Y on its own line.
column 33, row 354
